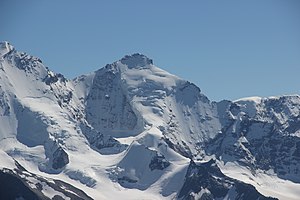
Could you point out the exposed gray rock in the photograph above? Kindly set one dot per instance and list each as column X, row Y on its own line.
column 60, row 159
column 107, row 107
column 206, row 181
column 53, row 78
column 136, row 60
column 158, row 162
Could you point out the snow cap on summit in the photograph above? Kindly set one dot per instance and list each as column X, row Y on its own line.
column 5, row 48
column 136, row 60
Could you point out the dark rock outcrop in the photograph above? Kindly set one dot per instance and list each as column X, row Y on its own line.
column 60, row 159
column 206, row 181
column 158, row 162
column 21, row 184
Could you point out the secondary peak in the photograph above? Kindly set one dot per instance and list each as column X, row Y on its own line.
column 5, row 48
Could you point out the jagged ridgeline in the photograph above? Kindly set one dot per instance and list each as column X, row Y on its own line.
column 131, row 130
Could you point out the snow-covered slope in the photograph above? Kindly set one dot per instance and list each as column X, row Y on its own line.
column 131, row 130
column 132, row 95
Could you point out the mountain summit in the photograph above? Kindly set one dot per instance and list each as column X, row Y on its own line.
column 131, row 130
column 136, row 60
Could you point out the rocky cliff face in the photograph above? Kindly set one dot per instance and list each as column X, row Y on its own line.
column 262, row 133
column 206, row 181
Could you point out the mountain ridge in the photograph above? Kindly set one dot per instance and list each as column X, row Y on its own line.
column 135, row 127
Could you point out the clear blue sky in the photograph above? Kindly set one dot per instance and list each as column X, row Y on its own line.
column 230, row 49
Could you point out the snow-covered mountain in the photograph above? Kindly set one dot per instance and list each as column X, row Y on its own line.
column 131, row 130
